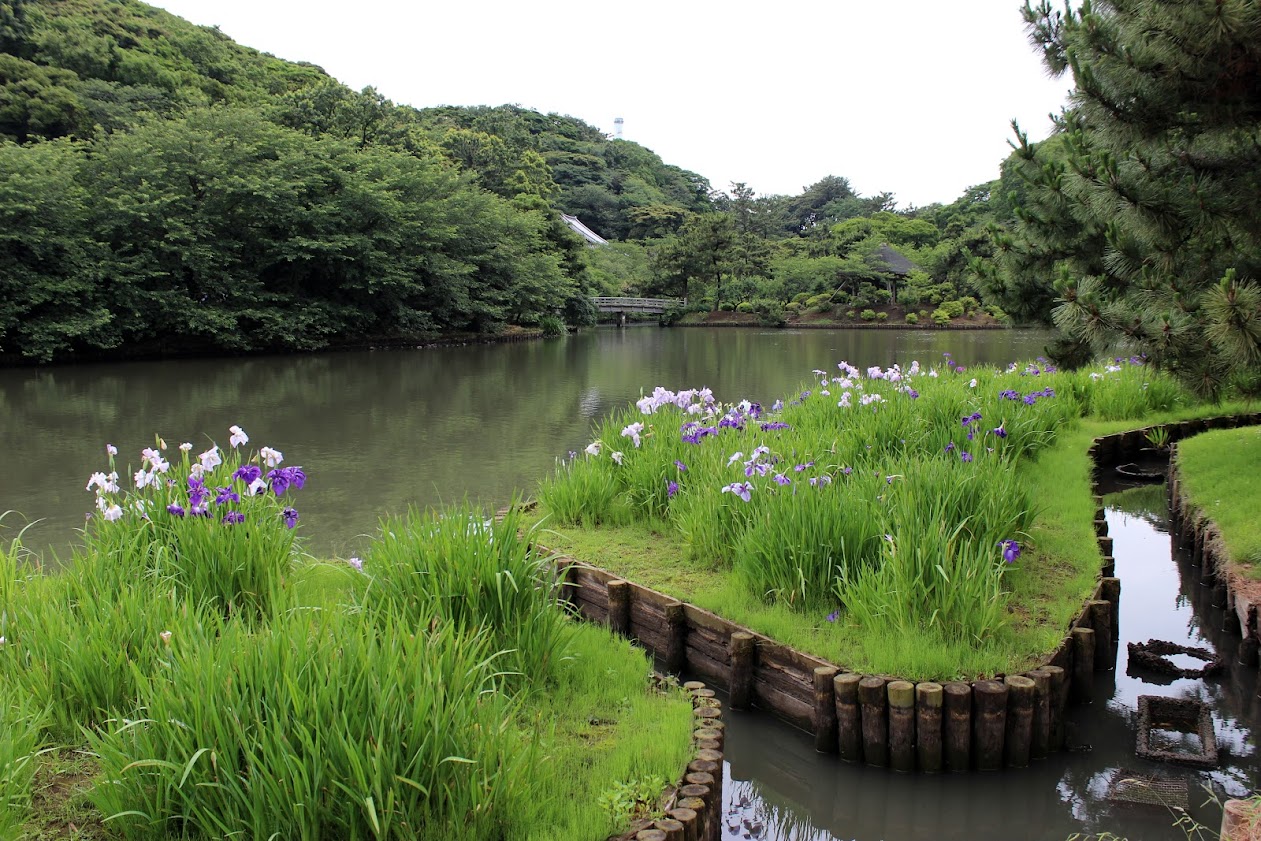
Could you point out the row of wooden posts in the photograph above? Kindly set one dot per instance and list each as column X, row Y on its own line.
column 1006, row 721
column 694, row 812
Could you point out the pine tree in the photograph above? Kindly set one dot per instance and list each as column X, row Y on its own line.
column 1141, row 222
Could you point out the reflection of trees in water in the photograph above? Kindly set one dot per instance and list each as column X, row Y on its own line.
column 751, row 812
column 1145, row 502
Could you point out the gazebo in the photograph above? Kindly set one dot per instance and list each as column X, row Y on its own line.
column 889, row 261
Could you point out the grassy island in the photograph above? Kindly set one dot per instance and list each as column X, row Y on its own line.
column 192, row 674
column 931, row 523
column 1219, row 472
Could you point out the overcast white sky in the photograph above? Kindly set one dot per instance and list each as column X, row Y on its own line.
column 909, row 96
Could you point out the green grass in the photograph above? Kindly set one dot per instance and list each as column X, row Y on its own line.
column 441, row 691
column 753, row 563
column 1219, row 472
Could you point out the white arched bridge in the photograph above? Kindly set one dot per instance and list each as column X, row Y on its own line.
column 654, row 306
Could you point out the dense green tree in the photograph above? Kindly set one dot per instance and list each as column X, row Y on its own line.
column 1145, row 211
column 50, row 301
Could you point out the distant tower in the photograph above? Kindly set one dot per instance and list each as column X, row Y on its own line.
column 617, row 128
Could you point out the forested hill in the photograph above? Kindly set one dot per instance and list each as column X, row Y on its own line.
column 166, row 190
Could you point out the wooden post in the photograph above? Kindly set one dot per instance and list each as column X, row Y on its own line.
column 849, row 720
column 673, row 829
column 1105, row 546
column 901, row 725
column 676, row 638
column 1101, row 624
column 1019, row 735
column 990, row 727
column 1248, row 651
column 1219, row 592
column 619, row 607
column 1240, row 819
column 653, row 834
column 928, row 702
column 1110, row 589
column 825, row 709
column 690, row 821
column 871, row 695
column 958, row 725
column 740, row 681
column 1109, row 567
column 1101, row 524
column 1083, row 664
column 1058, row 696
column 1040, row 739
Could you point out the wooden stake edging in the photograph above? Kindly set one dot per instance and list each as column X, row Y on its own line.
column 1058, row 697
column 849, row 719
column 740, row 682
column 1101, row 623
column 1040, row 737
column 676, row 638
column 958, row 725
column 871, row 697
column 1019, row 735
column 928, row 727
column 1083, row 664
column 825, row 739
column 619, row 607
column 990, row 726
column 901, row 725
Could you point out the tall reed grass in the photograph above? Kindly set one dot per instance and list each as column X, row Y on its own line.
column 887, row 492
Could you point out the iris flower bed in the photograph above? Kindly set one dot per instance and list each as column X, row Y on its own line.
column 884, row 502
column 228, row 686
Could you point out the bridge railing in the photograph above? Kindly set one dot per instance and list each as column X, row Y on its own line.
column 621, row 304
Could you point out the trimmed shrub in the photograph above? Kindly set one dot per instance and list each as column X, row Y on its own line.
column 744, row 306
column 952, row 309
column 869, row 315
column 912, row 318
column 940, row 316
column 882, row 316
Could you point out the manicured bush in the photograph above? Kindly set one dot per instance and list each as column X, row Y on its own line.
column 851, row 314
column 941, row 317
column 882, row 316
column 744, row 306
column 953, row 309
column 912, row 318
column 868, row 315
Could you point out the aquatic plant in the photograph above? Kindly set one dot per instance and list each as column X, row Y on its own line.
column 219, row 525
column 889, row 490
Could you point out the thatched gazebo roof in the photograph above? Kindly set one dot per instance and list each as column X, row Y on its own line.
column 888, row 260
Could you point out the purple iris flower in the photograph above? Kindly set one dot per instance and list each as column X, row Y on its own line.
column 834, row 615
column 226, row 495
column 771, row 427
column 247, row 473
column 175, row 510
column 282, row 477
column 965, row 456
column 1000, row 431
column 805, row 466
column 950, row 445
column 847, row 470
column 682, row 467
column 290, row 516
column 1011, row 550
column 912, row 393
column 233, row 517
column 781, row 479
column 671, row 489
column 1009, row 394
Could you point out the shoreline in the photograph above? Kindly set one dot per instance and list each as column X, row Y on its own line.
column 521, row 334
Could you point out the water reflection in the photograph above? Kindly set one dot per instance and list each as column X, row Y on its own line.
column 1089, row 790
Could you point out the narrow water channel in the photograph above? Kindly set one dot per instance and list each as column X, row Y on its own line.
column 779, row 788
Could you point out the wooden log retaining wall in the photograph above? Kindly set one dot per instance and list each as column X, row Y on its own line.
column 692, row 808
column 880, row 719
